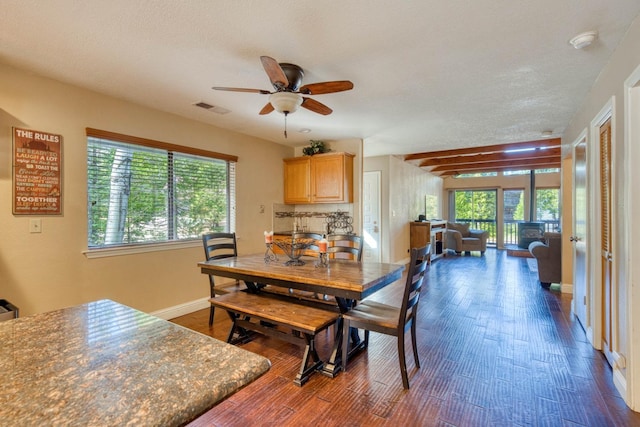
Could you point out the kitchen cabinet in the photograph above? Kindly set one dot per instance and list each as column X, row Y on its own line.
column 322, row 178
column 423, row 233
column 297, row 180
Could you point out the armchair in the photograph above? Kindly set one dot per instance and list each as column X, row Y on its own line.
column 461, row 238
column 548, row 255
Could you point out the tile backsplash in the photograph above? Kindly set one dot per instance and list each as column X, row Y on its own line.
column 312, row 218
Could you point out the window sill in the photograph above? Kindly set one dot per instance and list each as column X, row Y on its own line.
column 139, row 249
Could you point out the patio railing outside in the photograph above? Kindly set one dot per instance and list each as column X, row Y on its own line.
column 510, row 229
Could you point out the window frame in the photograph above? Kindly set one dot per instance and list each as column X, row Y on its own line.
column 130, row 248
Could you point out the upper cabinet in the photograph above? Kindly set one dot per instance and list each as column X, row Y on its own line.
column 322, row 178
column 297, row 180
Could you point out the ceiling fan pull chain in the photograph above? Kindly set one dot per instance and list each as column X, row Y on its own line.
column 286, row 113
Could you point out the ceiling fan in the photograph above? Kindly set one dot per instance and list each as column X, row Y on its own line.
column 287, row 95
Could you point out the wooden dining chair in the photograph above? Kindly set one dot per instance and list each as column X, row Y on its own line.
column 390, row 320
column 347, row 246
column 217, row 246
column 313, row 249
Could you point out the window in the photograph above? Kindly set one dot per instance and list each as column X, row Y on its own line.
column 548, row 205
column 142, row 191
column 553, row 170
column 476, row 174
column 517, row 172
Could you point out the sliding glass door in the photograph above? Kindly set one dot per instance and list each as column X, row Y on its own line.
column 513, row 202
column 478, row 208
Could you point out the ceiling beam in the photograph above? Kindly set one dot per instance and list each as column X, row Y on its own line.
column 496, row 166
column 456, row 173
column 550, row 153
column 552, row 142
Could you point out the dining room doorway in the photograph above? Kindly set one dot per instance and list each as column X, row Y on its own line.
column 371, row 216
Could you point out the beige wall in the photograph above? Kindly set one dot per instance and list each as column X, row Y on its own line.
column 404, row 187
column 41, row 272
column 609, row 88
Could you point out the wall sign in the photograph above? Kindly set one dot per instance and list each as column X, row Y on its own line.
column 37, row 172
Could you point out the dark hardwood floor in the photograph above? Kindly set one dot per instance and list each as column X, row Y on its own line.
column 495, row 348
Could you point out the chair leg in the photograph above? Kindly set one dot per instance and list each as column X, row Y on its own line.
column 213, row 295
column 415, row 344
column 345, row 343
column 403, row 362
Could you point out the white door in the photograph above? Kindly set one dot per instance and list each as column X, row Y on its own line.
column 371, row 215
column 579, row 237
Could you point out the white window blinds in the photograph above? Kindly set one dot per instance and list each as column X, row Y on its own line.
column 142, row 194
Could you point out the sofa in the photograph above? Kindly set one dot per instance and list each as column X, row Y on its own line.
column 460, row 238
column 548, row 254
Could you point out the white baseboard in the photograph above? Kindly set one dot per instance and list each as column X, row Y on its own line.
column 620, row 382
column 589, row 333
column 182, row 309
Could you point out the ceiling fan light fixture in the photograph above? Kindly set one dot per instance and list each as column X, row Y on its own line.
column 583, row 40
column 285, row 102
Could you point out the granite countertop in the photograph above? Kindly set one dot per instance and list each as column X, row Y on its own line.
column 104, row 364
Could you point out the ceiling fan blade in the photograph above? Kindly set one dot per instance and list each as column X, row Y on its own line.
column 266, row 109
column 240, row 89
column 326, row 87
column 316, row 107
column 274, row 71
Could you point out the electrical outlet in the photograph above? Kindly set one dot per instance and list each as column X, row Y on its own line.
column 35, row 226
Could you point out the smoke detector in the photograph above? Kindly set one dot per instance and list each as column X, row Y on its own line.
column 583, row 40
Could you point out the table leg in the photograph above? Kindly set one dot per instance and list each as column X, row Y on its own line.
column 254, row 287
column 334, row 365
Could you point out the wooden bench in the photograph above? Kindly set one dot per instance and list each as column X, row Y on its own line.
column 269, row 314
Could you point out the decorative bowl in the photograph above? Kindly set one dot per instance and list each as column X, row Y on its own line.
column 294, row 249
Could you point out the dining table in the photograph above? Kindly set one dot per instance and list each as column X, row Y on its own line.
column 103, row 363
column 345, row 280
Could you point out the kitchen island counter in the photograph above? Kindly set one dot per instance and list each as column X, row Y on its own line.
column 103, row 363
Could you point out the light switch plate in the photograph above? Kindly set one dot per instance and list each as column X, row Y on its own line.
column 35, row 226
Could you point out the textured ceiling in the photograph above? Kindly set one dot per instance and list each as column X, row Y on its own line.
column 429, row 75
